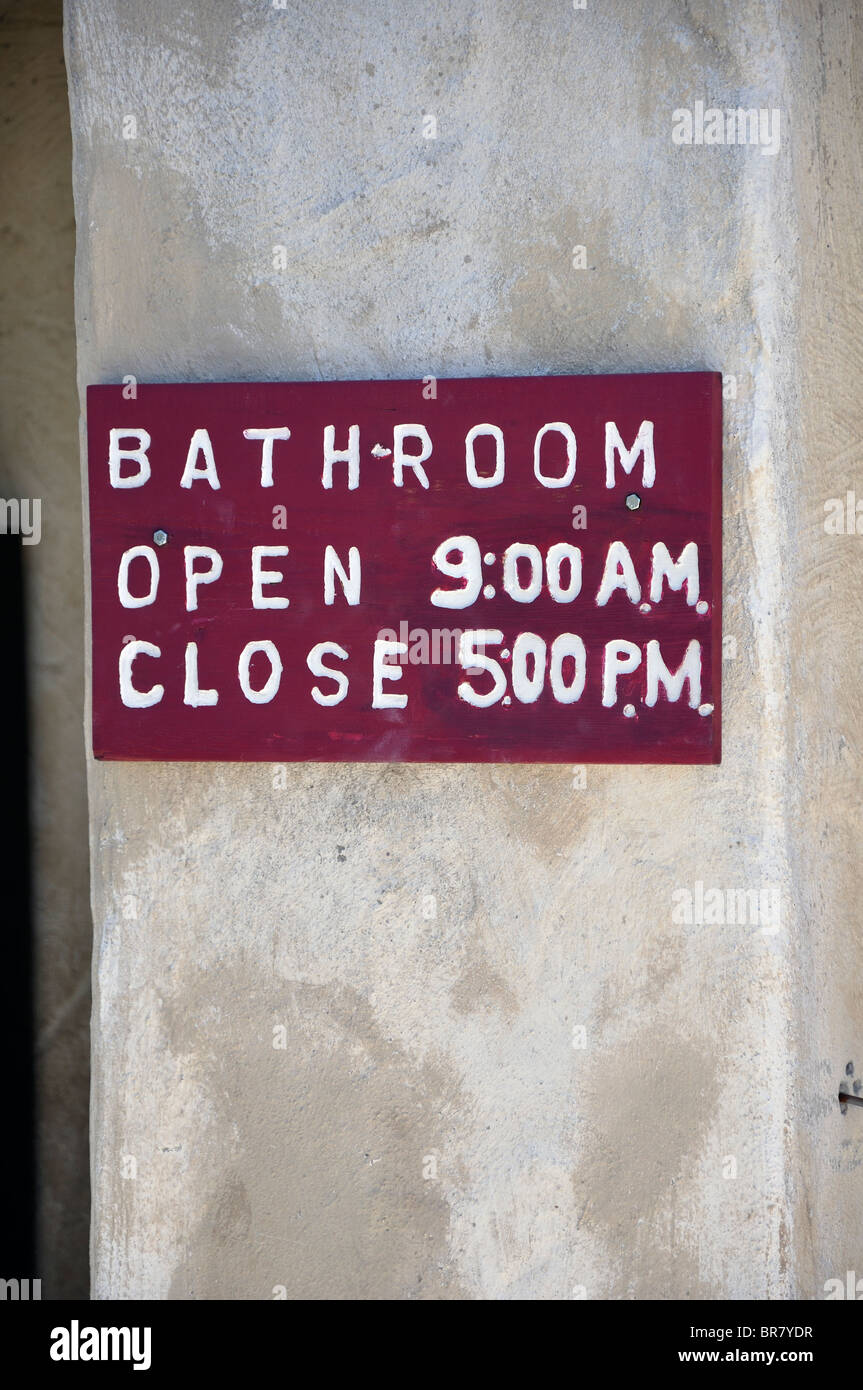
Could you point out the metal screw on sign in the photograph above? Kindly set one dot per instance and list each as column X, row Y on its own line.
column 633, row 501
column 846, row 1099
column 160, row 537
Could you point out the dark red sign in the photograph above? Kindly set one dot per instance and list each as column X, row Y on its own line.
column 517, row 570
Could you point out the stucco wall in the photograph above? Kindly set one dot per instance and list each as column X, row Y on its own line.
column 693, row 1147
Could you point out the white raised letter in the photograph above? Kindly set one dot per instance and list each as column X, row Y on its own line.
column 350, row 582
column 620, row 659
column 147, row 553
column 643, row 445
column 315, row 663
column 567, row 644
column 267, row 691
column 568, row 435
column 193, row 579
column 382, row 670
column 200, row 443
column 401, row 460
column 474, row 478
column 260, row 576
column 619, row 573
column 132, row 698
column 512, row 586
column 350, row 456
column 683, row 570
column 473, row 658
column 688, row 670
column 528, row 688
column 116, row 456
column 192, row 693
column 268, row 436
column 558, row 554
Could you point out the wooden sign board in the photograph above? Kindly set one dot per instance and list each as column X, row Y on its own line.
column 491, row 570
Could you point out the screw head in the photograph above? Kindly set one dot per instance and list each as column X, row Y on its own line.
column 160, row 537
column 633, row 501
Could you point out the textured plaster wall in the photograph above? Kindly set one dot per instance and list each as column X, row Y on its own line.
column 559, row 1169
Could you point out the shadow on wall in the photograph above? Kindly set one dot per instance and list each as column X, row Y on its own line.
column 17, row 1160
column 39, row 462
